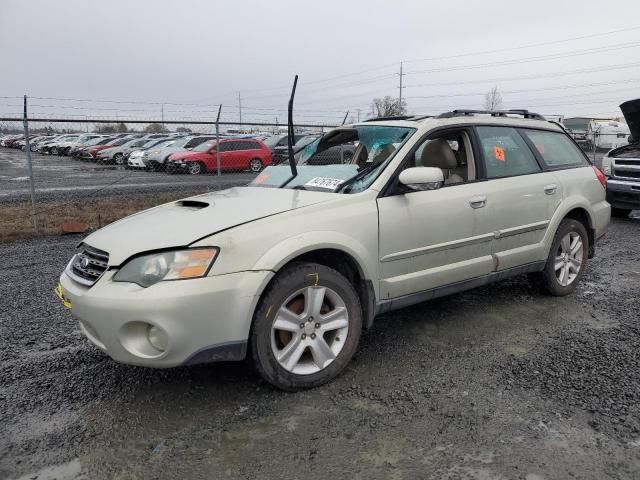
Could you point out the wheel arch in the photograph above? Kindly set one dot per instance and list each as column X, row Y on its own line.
column 340, row 256
column 576, row 209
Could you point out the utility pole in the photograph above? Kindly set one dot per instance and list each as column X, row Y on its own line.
column 358, row 115
column 240, row 106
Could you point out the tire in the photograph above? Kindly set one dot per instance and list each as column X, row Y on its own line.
column 620, row 212
column 118, row 159
column 255, row 165
column 312, row 358
column 564, row 267
column 54, row 151
column 196, row 168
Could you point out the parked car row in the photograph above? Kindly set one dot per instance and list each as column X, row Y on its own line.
column 180, row 153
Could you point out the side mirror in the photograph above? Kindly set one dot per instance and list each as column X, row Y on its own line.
column 422, row 178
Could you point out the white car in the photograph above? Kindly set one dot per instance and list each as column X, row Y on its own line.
column 135, row 159
column 290, row 269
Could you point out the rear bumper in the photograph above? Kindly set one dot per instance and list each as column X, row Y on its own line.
column 623, row 194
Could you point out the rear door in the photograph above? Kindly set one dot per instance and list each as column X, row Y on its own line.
column 521, row 196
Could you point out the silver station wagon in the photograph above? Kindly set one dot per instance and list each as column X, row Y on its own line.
column 287, row 271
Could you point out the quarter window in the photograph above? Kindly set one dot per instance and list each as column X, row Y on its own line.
column 555, row 148
column 506, row 154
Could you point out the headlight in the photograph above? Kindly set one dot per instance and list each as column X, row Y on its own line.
column 148, row 270
column 606, row 165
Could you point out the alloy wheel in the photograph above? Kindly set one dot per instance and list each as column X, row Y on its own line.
column 309, row 330
column 568, row 260
column 255, row 165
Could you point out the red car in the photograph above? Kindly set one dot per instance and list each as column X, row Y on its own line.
column 235, row 154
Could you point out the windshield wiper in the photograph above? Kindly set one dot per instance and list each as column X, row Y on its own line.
column 290, row 137
column 357, row 176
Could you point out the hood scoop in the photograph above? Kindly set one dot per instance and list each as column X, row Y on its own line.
column 192, row 204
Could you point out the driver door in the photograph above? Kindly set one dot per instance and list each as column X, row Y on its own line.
column 433, row 238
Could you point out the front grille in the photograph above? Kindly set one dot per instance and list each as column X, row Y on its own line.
column 626, row 168
column 87, row 266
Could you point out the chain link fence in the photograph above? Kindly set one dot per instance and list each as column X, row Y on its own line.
column 75, row 175
column 80, row 174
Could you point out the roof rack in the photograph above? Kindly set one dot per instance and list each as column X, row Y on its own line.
column 391, row 117
column 496, row 113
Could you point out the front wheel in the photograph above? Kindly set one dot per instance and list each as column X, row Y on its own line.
column 306, row 328
column 195, row 168
column 255, row 165
column 567, row 260
column 119, row 159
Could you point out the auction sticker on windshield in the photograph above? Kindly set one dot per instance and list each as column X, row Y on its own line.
column 324, row 182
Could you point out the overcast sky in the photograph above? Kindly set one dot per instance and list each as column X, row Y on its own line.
column 346, row 53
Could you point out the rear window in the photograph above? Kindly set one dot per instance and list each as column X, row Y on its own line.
column 556, row 149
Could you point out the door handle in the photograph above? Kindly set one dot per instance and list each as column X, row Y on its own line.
column 478, row 202
column 550, row 189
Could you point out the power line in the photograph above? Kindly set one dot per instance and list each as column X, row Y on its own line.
column 520, row 47
column 527, row 77
column 539, row 58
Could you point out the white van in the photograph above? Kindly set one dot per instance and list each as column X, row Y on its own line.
column 608, row 134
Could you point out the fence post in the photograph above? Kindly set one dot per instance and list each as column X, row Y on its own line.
column 218, row 138
column 594, row 147
column 27, row 148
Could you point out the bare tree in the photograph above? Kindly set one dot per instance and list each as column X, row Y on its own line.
column 388, row 107
column 493, row 100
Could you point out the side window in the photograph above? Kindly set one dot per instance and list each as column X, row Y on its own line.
column 451, row 152
column 253, row 145
column 225, row 146
column 505, row 152
column 556, row 149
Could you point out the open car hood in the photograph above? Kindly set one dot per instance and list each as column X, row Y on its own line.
column 631, row 111
column 181, row 223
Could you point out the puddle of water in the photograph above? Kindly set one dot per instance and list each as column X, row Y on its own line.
column 66, row 471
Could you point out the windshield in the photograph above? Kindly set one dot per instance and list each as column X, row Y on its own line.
column 272, row 141
column 347, row 160
column 304, row 141
column 204, row 147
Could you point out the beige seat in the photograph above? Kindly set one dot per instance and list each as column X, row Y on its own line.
column 438, row 153
column 383, row 153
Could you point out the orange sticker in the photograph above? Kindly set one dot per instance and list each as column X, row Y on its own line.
column 498, row 152
column 261, row 179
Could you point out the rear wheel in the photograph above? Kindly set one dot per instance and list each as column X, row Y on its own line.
column 306, row 328
column 620, row 212
column 567, row 260
column 118, row 159
column 255, row 165
column 54, row 151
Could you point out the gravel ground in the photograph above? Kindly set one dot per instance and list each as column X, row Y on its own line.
column 495, row 383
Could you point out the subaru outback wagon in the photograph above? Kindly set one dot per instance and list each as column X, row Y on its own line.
column 288, row 270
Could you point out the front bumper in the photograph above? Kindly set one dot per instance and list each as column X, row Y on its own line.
column 623, row 194
column 205, row 319
column 135, row 162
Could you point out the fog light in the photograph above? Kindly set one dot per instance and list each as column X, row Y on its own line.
column 157, row 338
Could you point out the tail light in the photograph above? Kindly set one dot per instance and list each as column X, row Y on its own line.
column 601, row 177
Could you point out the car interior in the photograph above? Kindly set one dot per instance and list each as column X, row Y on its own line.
column 451, row 152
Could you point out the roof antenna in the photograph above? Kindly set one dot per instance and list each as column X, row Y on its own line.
column 344, row 120
column 290, row 137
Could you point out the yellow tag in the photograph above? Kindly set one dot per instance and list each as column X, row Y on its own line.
column 60, row 293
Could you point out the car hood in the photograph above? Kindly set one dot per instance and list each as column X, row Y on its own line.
column 631, row 111
column 181, row 223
